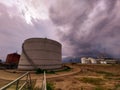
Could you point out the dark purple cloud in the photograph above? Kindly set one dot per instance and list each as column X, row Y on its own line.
column 88, row 27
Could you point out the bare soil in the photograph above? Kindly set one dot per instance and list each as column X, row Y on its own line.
column 91, row 77
column 80, row 77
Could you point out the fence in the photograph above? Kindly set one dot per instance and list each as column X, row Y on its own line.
column 44, row 82
column 27, row 83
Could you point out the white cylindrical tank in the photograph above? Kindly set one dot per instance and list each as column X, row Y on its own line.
column 40, row 53
column 84, row 60
column 92, row 60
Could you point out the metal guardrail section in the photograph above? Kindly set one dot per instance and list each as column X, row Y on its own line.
column 26, row 84
column 44, row 82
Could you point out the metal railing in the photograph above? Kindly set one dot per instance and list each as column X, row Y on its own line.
column 44, row 82
column 27, row 83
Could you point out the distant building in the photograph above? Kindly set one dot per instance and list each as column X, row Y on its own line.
column 103, row 62
column 108, row 62
column 111, row 61
column 85, row 60
column 92, row 60
column 89, row 60
column 13, row 60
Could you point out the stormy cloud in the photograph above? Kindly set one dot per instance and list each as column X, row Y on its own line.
column 84, row 27
column 88, row 27
column 14, row 29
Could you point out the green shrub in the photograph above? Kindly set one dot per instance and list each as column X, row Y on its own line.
column 99, row 88
column 50, row 86
column 67, row 68
column 51, row 72
column 39, row 71
column 117, row 87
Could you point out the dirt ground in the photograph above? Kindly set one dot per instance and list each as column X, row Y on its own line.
column 91, row 77
column 80, row 77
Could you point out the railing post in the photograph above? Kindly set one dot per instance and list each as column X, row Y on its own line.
column 45, row 80
column 27, row 80
column 30, row 82
column 17, row 83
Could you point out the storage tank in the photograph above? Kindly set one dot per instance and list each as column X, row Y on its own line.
column 12, row 60
column 92, row 60
column 40, row 53
column 84, row 60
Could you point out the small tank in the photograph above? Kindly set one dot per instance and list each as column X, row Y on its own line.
column 12, row 60
column 84, row 60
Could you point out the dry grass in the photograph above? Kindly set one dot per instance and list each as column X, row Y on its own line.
column 91, row 77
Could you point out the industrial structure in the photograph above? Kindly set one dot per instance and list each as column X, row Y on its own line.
column 40, row 53
column 12, row 60
column 85, row 60
column 108, row 61
column 89, row 60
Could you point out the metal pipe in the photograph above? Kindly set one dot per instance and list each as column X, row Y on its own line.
column 17, row 85
column 9, row 84
column 45, row 80
column 22, row 86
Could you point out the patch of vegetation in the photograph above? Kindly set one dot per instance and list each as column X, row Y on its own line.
column 40, row 71
column 50, row 86
column 117, row 79
column 106, row 73
column 50, row 72
column 117, row 87
column 67, row 68
column 94, row 81
column 99, row 88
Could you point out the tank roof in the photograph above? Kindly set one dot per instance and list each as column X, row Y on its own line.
column 40, row 39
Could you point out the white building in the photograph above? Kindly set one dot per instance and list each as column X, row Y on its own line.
column 89, row 60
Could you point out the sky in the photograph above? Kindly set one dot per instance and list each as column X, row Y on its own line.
column 83, row 27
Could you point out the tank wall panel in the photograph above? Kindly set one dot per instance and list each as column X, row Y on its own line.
column 45, row 54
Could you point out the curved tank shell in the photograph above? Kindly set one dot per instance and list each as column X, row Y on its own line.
column 40, row 53
column 93, row 61
column 83, row 60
